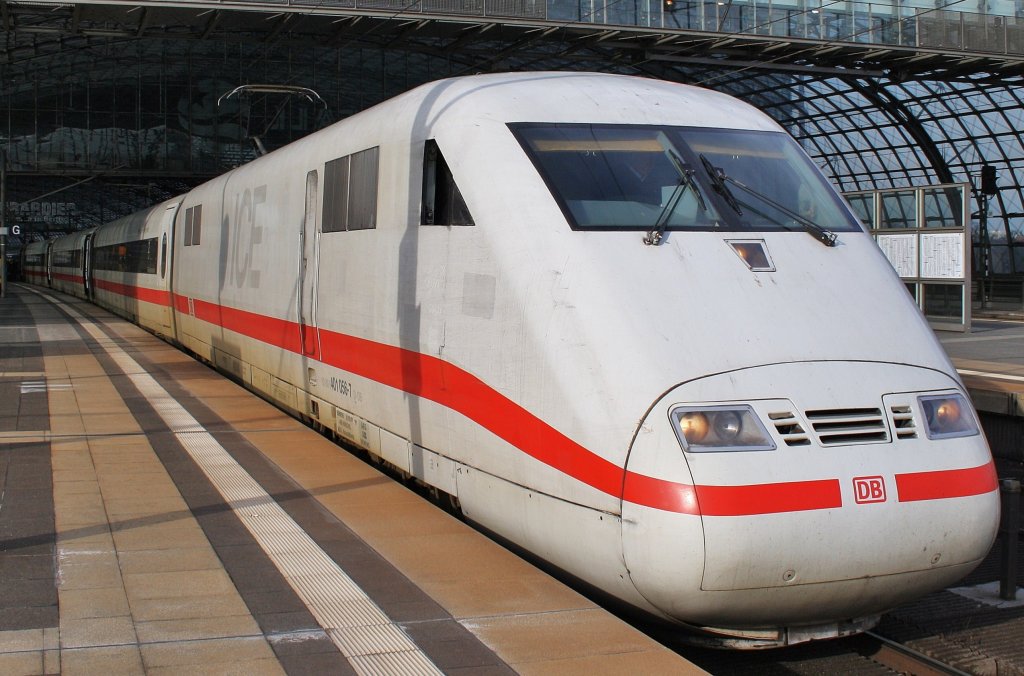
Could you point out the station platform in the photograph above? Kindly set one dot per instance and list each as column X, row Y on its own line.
column 156, row 517
column 990, row 360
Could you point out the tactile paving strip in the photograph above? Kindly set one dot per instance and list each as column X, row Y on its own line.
column 364, row 634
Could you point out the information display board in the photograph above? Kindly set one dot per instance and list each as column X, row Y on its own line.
column 924, row 234
column 942, row 255
column 901, row 250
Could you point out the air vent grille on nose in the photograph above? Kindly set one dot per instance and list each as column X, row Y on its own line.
column 789, row 428
column 903, row 422
column 837, row 426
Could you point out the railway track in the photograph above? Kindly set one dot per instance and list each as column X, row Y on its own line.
column 868, row 654
column 901, row 658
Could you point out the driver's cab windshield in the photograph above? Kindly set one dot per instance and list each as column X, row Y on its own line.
column 620, row 177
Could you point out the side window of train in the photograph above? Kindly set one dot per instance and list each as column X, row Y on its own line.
column 442, row 200
column 350, row 192
column 193, row 225
column 139, row 256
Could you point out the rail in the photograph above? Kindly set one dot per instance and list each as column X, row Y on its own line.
column 902, row 658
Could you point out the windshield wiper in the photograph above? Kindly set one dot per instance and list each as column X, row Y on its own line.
column 718, row 178
column 820, row 233
column 655, row 235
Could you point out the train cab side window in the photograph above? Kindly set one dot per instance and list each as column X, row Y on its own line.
column 442, row 200
column 193, row 225
column 350, row 192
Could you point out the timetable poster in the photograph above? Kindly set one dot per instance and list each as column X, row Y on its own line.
column 942, row 255
column 901, row 250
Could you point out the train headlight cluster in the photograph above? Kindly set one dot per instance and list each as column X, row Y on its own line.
column 948, row 415
column 720, row 428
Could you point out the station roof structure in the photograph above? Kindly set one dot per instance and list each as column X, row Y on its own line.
column 111, row 105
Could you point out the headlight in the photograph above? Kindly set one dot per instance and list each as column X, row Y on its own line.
column 720, row 428
column 948, row 415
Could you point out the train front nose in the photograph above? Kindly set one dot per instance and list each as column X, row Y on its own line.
column 818, row 508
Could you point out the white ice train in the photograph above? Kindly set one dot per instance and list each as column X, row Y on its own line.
column 626, row 323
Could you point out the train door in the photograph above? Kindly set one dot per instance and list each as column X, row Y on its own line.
column 87, row 265
column 167, row 265
column 48, row 258
column 308, row 240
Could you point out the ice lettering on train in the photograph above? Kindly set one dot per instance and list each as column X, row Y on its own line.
column 247, row 234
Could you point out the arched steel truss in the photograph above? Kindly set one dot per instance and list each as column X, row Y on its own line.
column 128, row 94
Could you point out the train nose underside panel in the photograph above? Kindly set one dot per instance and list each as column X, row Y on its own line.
column 849, row 506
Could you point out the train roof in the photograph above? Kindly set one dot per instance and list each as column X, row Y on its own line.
column 563, row 97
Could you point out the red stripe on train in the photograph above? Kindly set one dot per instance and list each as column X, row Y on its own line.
column 155, row 296
column 439, row 381
column 949, row 483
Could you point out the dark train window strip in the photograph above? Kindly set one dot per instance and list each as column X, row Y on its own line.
column 138, row 257
column 69, row 258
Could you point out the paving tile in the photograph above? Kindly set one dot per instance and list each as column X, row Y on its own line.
column 27, row 593
column 27, row 504
column 399, row 519
column 121, row 660
column 27, row 546
column 182, row 655
column 99, row 422
column 250, row 569
column 37, row 617
column 81, row 518
column 142, row 534
column 96, row 631
column 70, row 485
column 279, row 599
column 81, row 501
column 80, row 475
column 33, row 422
column 181, row 584
column 168, row 560
column 21, row 663
column 26, row 525
column 540, row 637
column 652, row 662
column 284, row 622
column 51, row 662
column 124, row 490
column 162, row 631
column 89, row 575
column 85, row 540
column 452, row 646
column 31, row 567
column 186, row 607
column 502, row 595
column 66, row 425
column 22, row 640
column 302, row 643
column 83, row 603
column 70, row 448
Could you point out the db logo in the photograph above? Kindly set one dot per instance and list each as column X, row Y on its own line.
column 868, row 489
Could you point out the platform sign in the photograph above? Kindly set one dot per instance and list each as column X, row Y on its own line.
column 924, row 234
